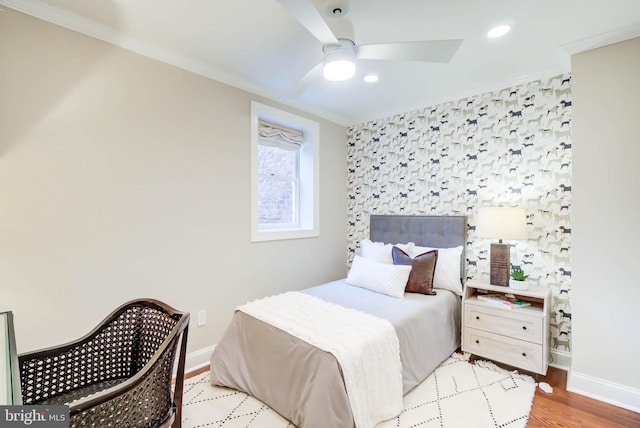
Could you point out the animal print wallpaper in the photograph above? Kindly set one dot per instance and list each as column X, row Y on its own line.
column 505, row 148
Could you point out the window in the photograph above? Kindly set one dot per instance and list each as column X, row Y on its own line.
column 278, row 183
column 284, row 175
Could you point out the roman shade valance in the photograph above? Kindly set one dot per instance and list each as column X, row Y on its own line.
column 277, row 133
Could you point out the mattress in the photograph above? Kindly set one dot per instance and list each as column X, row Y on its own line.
column 305, row 384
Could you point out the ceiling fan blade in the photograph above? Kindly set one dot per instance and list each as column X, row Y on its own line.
column 301, row 85
column 305, row 12
column 428, row 51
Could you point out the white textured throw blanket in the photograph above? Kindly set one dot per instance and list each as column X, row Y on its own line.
column 366, row 347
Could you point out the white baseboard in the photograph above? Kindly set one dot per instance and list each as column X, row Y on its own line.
column 599, row 389
column 198, row 359
column 560, row 360
column 603, row 390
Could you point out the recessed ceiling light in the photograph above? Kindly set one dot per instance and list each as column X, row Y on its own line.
column 498, row 31
column 370, row 78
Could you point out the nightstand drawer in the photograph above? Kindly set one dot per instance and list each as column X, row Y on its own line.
column 517, row 353
column 515, row 323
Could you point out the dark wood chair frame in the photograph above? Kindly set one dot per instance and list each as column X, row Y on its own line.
column 119, row 374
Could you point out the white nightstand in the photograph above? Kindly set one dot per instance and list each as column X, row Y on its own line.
column 517, row 337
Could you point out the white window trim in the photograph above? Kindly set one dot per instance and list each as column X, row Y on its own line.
column 309, row 164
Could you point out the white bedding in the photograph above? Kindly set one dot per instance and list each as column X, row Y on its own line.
column 428, row 327
column 306, row 384
column 340, row 331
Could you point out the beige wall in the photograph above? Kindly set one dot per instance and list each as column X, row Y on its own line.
column 606, row 234
column 123, row 177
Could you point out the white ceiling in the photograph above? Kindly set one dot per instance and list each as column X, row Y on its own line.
column 256, row 45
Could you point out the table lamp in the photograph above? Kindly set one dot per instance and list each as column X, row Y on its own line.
column 501, row 223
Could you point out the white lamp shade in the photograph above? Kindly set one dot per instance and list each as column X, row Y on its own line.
column 502, row 223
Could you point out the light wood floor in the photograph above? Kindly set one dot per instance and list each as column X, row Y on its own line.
column 563, row 408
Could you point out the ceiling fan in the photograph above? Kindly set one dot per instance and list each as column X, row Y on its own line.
column 341, row 52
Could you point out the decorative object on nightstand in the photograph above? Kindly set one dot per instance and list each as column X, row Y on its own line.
column 517, row 337
column 501, row 223
column 518, row 280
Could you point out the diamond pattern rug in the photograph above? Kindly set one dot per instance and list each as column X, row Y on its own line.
column 456, row 394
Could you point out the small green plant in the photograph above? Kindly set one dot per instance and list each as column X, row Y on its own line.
column 518, row 275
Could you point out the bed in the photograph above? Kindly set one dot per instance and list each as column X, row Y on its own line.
column 307, row 384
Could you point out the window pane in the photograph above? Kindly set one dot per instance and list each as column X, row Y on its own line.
column 277, row 161
column 276, row 201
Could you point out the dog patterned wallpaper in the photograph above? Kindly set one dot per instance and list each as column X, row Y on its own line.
column 506, row 148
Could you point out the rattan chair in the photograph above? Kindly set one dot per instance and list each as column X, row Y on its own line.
column 120, row 374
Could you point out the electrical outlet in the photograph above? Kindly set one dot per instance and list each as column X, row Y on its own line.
column 202, row 318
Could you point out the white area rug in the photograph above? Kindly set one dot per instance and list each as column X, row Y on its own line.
column 456, row 394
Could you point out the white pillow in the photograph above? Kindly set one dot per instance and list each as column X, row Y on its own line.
column 382, row 278
column 380, row 252
column 447, row 275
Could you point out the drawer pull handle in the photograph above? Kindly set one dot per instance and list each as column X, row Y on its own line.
column 524, row 327
column 477, row 341
column 477, row 317
column 524, row 354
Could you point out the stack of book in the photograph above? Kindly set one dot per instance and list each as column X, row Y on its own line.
column 507, row 301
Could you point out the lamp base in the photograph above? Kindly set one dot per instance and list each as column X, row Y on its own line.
column 499, row 265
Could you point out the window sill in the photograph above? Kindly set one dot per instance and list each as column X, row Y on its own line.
column 281, row 234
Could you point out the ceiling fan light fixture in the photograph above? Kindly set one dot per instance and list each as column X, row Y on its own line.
column 339, row 70
column 339, row 62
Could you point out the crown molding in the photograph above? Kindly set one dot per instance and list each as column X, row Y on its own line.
column 604, row 39
column 92, row 29
column 98, row 31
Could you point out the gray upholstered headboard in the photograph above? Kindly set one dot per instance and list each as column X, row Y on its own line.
column 425, row 231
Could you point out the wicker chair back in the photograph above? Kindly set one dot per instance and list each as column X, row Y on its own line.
column 119, row 374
